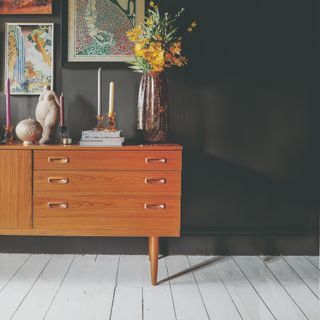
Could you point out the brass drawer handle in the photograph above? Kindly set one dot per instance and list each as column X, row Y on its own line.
column 155, row 181
column 57, row 205
column 58, row 180
column 160, row 206
column 61, row 160
column 156, row 160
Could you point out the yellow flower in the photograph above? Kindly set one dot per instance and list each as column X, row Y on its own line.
column 139, row 49
column 149, row 21
column 134, row 34
column 190, row 29
column 153, row 5
column 193, row 24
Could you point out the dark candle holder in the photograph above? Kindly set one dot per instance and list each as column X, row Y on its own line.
column 111, row 122
column 99, row 126
column 62, row 133
column 8, row 134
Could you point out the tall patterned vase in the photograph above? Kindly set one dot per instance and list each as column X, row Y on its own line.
column 153, row 107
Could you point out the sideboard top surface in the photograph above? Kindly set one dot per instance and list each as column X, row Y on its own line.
column 140, row 147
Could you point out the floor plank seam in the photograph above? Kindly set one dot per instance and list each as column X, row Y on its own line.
column 115, row 287
column 299, row 277
column 229, row 294
column 172, row 299
column 142, row 303
column 22, row 264
column 201, row 297
column 287, row 292
column 33, row 284
column 60, row 285
column 311, row 263
column 254, row 288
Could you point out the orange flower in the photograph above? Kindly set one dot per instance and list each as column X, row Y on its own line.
column 176, row 48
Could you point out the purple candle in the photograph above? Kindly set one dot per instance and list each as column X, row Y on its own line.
column 62, row 110
column 8, row 105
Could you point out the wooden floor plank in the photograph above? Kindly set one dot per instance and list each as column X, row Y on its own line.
column 248, row 302
column 18, row 288
column 306, row 271
column 87, row 290
column 43, row 292
column 186, row 296
column 295, row 287
column 9, row 265
column 314, row 260
column 127, row 303
column 269, row 289
column 215, row 295
column 152, row 295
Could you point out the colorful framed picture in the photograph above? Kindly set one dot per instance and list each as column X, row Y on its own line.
column 96, row 30
column 26, row 7
column 29, row 57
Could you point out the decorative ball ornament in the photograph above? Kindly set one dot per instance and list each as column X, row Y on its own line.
column 29, row 131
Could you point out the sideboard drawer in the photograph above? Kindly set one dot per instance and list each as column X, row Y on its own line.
column 107, row 160
column 107, row 212
column 107, row 182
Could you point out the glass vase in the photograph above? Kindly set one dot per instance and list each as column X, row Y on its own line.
column 153, row 107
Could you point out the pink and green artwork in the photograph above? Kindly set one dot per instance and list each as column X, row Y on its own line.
column 29, row 57
column 97, row 29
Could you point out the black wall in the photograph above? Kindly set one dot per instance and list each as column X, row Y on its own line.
column 247, row 113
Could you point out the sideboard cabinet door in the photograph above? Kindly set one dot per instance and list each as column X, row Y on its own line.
column 15, row 189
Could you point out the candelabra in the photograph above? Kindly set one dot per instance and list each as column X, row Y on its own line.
column 99, row 126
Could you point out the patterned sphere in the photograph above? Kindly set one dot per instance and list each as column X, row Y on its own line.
column 29, row 131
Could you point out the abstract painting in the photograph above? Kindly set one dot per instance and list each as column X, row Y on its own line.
column 25, row 6
column 29, row 57
column 97, row 29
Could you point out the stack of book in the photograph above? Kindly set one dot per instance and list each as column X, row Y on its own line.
column 101, row 138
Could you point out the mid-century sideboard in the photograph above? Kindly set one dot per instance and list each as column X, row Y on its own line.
column 130, row 191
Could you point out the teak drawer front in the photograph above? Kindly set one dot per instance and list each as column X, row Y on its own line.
column 107, row 160
column 107, row 182
column 107, row 212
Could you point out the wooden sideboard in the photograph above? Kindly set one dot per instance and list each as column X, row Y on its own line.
column 129, row 191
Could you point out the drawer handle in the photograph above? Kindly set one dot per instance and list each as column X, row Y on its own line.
column 155, row 181
column 160, row 206
column 58, row 180
column 58, row 160
column 57, row 205
column 156, row 160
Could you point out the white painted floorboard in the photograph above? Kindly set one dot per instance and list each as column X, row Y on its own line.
column 314, row 260
column 66, row 287
column 306, row 271
column 295, row 287
column 269, row 289
column 215, row 295
column 87, row 290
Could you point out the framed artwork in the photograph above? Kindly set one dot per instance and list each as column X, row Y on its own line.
column 29, row 57
column 26, row 7
column 95, row 31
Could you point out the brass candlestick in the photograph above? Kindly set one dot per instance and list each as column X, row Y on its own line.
column 99, row 126
column 111, row 122
column 8, row 134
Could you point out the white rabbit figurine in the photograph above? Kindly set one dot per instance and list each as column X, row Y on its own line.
column 47, row 113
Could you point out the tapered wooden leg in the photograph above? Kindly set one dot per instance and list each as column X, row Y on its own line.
column 153, row 255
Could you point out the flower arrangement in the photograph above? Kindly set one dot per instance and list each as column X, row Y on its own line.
column 157, row 42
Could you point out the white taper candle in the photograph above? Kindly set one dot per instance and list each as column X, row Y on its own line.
column 99, row 92
column 111, row 97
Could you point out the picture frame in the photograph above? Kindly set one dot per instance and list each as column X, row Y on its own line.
column 72, row 52
column 34, row 7
column 29, row 57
